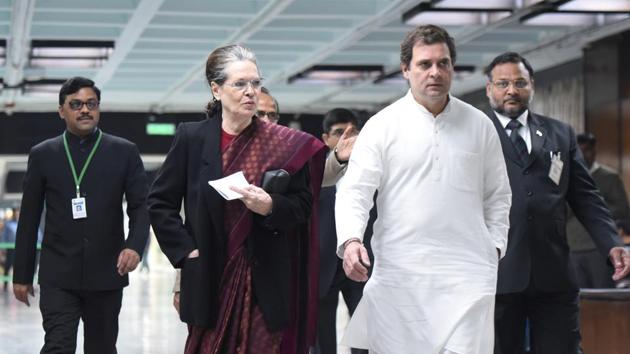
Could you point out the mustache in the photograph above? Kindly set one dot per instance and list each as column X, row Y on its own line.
column 85, row 116
column 513, row 98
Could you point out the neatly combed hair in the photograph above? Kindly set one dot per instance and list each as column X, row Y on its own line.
column 587, row 139
column 218, row 61
column 508, row 57
column 338, row 115
column 265, row 90
column 73, row 85
column 427, row 34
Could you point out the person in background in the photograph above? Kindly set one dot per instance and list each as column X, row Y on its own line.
column 81, row 177
column 536, row 278
column 8, row 236
column 268, row 108
column 592, row 269
column 249, row 265
column 337, row 123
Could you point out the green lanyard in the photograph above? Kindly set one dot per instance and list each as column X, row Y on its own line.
column 77, row 180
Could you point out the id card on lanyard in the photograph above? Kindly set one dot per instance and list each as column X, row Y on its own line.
column 79, row 209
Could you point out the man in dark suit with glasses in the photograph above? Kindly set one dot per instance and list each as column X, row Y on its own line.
column 81, row 176
column 536, row 279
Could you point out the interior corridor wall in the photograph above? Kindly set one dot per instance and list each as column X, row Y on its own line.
column 607, row 100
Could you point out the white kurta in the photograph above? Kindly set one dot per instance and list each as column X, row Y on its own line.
column 443, row 211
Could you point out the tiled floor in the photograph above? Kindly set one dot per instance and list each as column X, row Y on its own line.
column 148, row 322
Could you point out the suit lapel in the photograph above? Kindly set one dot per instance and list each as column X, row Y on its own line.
column 509, row 150
column 211, row 169
column 538, row 135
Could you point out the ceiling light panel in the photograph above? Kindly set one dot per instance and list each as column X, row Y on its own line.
column 471, row 5
column 596, row 6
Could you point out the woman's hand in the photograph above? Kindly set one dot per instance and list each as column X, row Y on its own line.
column 255, row 199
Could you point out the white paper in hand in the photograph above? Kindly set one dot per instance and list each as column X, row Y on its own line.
column 223, row 185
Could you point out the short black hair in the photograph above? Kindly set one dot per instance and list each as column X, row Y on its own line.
column 587, row 139
column 339, row 115
column 426, row 34
column 508, row 57
column 73, row 85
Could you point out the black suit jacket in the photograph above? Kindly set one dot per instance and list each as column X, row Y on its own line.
column 611, row 187
column 328, row 260
column 193, row 160
column 81, row 254
column 537, row 243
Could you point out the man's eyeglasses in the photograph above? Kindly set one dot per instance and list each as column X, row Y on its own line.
column 503, row 84
column 241, row 85
column 77, row 105
column 270, row 115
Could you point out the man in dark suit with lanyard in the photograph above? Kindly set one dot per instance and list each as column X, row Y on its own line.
column 546, row 170
column 81, row 176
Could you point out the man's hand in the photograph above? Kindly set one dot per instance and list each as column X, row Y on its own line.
column 193, row 254
column 21, row 292
column 345, row 144
column 620, row 259
column 128, row 260
column 176, row 301
column 255, row 199
column 356, row 261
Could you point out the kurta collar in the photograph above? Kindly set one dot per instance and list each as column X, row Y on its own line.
column 409, row 97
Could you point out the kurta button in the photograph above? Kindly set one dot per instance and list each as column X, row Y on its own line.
column 85, row 239
column 530, row 193
column 530, row 218
column 276, row 233
column 526, row 172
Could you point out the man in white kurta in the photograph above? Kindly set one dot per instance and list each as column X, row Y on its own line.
column 443, row 205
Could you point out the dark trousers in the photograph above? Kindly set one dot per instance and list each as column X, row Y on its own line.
column 553, row 319
column 327, row 321
column 61, row 310
column 592, row 269
column 8, row 264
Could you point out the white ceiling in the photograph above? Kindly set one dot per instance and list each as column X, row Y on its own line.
column 161, row 47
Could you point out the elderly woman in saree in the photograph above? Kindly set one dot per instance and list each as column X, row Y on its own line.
column 249, row 265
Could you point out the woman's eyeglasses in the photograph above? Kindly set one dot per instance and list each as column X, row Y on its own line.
column 241, row 85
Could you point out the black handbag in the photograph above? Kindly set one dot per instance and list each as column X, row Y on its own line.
column 276, row 181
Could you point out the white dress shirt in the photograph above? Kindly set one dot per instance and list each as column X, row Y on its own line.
column 522, row 131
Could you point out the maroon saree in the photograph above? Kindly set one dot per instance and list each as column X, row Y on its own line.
column 240, row 327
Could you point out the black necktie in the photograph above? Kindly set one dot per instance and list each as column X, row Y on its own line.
column 517, row 140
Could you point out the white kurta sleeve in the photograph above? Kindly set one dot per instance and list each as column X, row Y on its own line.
column 356, row 191
column 497, row 196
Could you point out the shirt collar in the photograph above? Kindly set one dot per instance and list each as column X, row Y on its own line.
column 78, row 140
column 505, row 120
column 594, row 167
